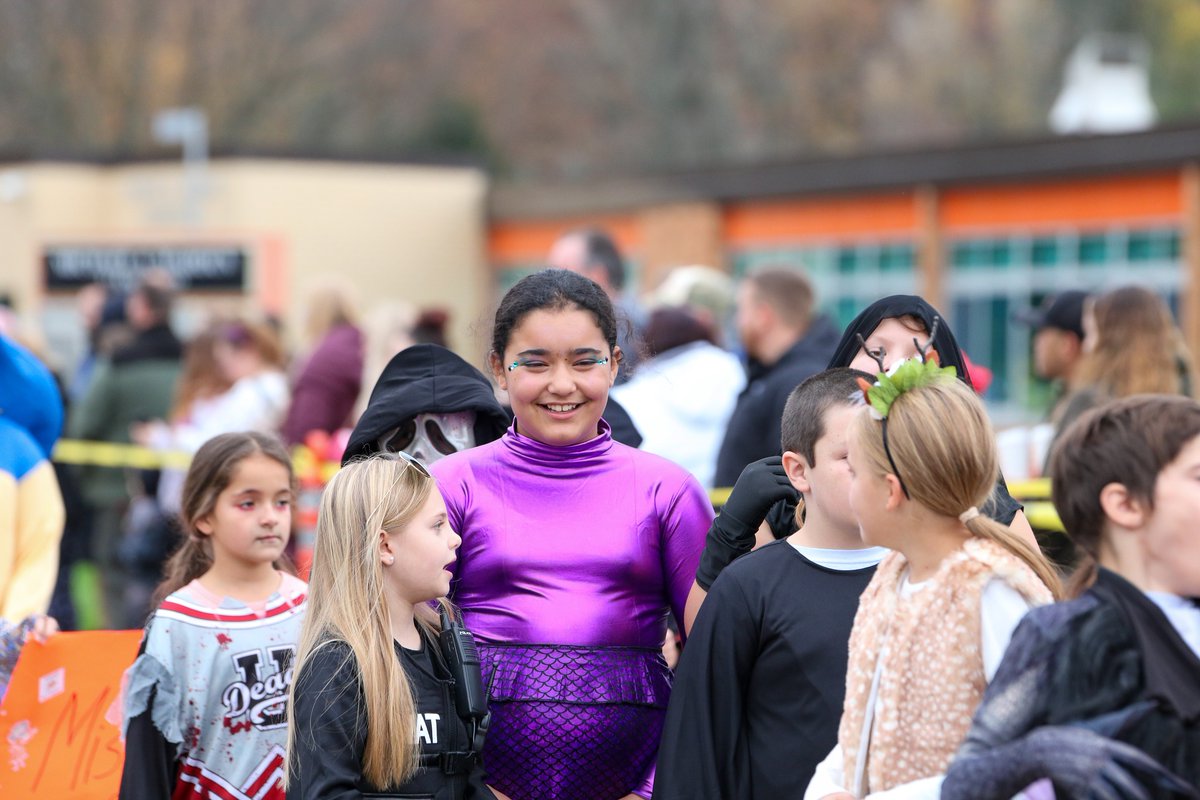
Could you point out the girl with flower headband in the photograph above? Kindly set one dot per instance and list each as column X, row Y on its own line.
column 934, row 622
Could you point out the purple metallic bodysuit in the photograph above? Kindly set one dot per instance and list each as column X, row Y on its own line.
column 571, row 557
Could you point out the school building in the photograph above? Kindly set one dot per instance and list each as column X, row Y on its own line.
column 243, row 235
column 981, row 231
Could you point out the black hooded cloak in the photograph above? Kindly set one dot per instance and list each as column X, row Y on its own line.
column 1000, row 506
column 426, row 379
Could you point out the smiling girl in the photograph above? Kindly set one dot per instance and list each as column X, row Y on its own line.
column 206, row 701
column 574, row 549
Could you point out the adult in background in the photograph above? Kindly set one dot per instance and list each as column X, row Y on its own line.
column 593, row 254
column 785, row 342
column 682, row 396
column 1131, row 346
column 1058, row 342
column 136, row 384
column 329, row 379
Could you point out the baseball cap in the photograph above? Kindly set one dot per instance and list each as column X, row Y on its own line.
column 1063, row 311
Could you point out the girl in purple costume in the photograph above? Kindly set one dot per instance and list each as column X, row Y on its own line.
column 574, row 548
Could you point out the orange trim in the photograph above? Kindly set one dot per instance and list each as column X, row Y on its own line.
column 531, row 241
column 757, row 222
column 1076, row 202
column 273, row 274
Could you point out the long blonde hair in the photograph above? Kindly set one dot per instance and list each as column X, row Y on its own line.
column 944, row 448
column 346, row 604
column 1138, row 348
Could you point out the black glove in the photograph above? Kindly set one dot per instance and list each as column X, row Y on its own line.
column 762, row 484
column 1081, row 764
column 1084, row 764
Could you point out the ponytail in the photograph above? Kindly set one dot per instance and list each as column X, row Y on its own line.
column 987, row 528
column 1087, row 569
column 942, row 443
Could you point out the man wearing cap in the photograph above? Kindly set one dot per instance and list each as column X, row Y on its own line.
column 1058, row 340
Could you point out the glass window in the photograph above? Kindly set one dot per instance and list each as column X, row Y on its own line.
column 896, row 258
column 847, row 261
column 1044, row 252
column 1093, row 249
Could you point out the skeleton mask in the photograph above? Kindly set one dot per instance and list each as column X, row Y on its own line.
column 428, row 437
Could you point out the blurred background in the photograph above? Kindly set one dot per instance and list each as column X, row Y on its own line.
column 983, row 153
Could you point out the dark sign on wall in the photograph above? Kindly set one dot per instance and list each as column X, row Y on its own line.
column 191, row 266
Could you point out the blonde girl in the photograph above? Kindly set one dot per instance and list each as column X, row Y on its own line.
column 372, row 706
column 934, row 621
column 205, row 702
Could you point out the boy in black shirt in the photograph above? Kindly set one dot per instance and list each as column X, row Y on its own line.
column 758, row 693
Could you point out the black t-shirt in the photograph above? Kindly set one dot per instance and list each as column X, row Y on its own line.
column 331, row 732
column 758, row 693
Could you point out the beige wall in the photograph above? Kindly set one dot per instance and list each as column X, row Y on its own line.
column 388, row 232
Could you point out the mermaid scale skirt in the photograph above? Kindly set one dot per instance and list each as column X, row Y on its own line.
column 572, row 723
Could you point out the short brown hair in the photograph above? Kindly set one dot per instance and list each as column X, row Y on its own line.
column 786, row 291
column 804, row 414
column 1128, row 441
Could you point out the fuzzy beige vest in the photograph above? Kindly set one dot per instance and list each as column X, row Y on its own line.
column 932, row 679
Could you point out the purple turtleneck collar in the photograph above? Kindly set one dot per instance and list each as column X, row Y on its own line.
column 572, row 456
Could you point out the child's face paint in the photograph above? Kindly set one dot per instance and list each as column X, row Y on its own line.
column 557, row 370
column 252, row 518
column 893, row 336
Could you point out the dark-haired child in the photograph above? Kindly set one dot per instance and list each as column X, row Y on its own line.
column 758, row 692
column 574, row 548
column 1101, row 694
column 205, row 703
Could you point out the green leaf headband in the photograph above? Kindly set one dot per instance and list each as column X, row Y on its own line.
column 909, row 374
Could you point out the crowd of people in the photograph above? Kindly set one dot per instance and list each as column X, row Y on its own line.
column 508, row 556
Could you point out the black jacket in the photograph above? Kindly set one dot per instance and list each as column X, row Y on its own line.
column 1110, row 662
column 754, row 427
column 758, row 692
column 426, row 379
column 331, row 733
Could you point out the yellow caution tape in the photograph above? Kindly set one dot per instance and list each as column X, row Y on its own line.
column 1034, row 493
column 111, row 454
column 132, row 456
column 1032, row 489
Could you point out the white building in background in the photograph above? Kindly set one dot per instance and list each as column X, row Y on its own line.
column 1106, row 87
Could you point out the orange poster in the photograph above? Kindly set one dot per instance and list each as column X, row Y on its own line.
column 54, row 737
